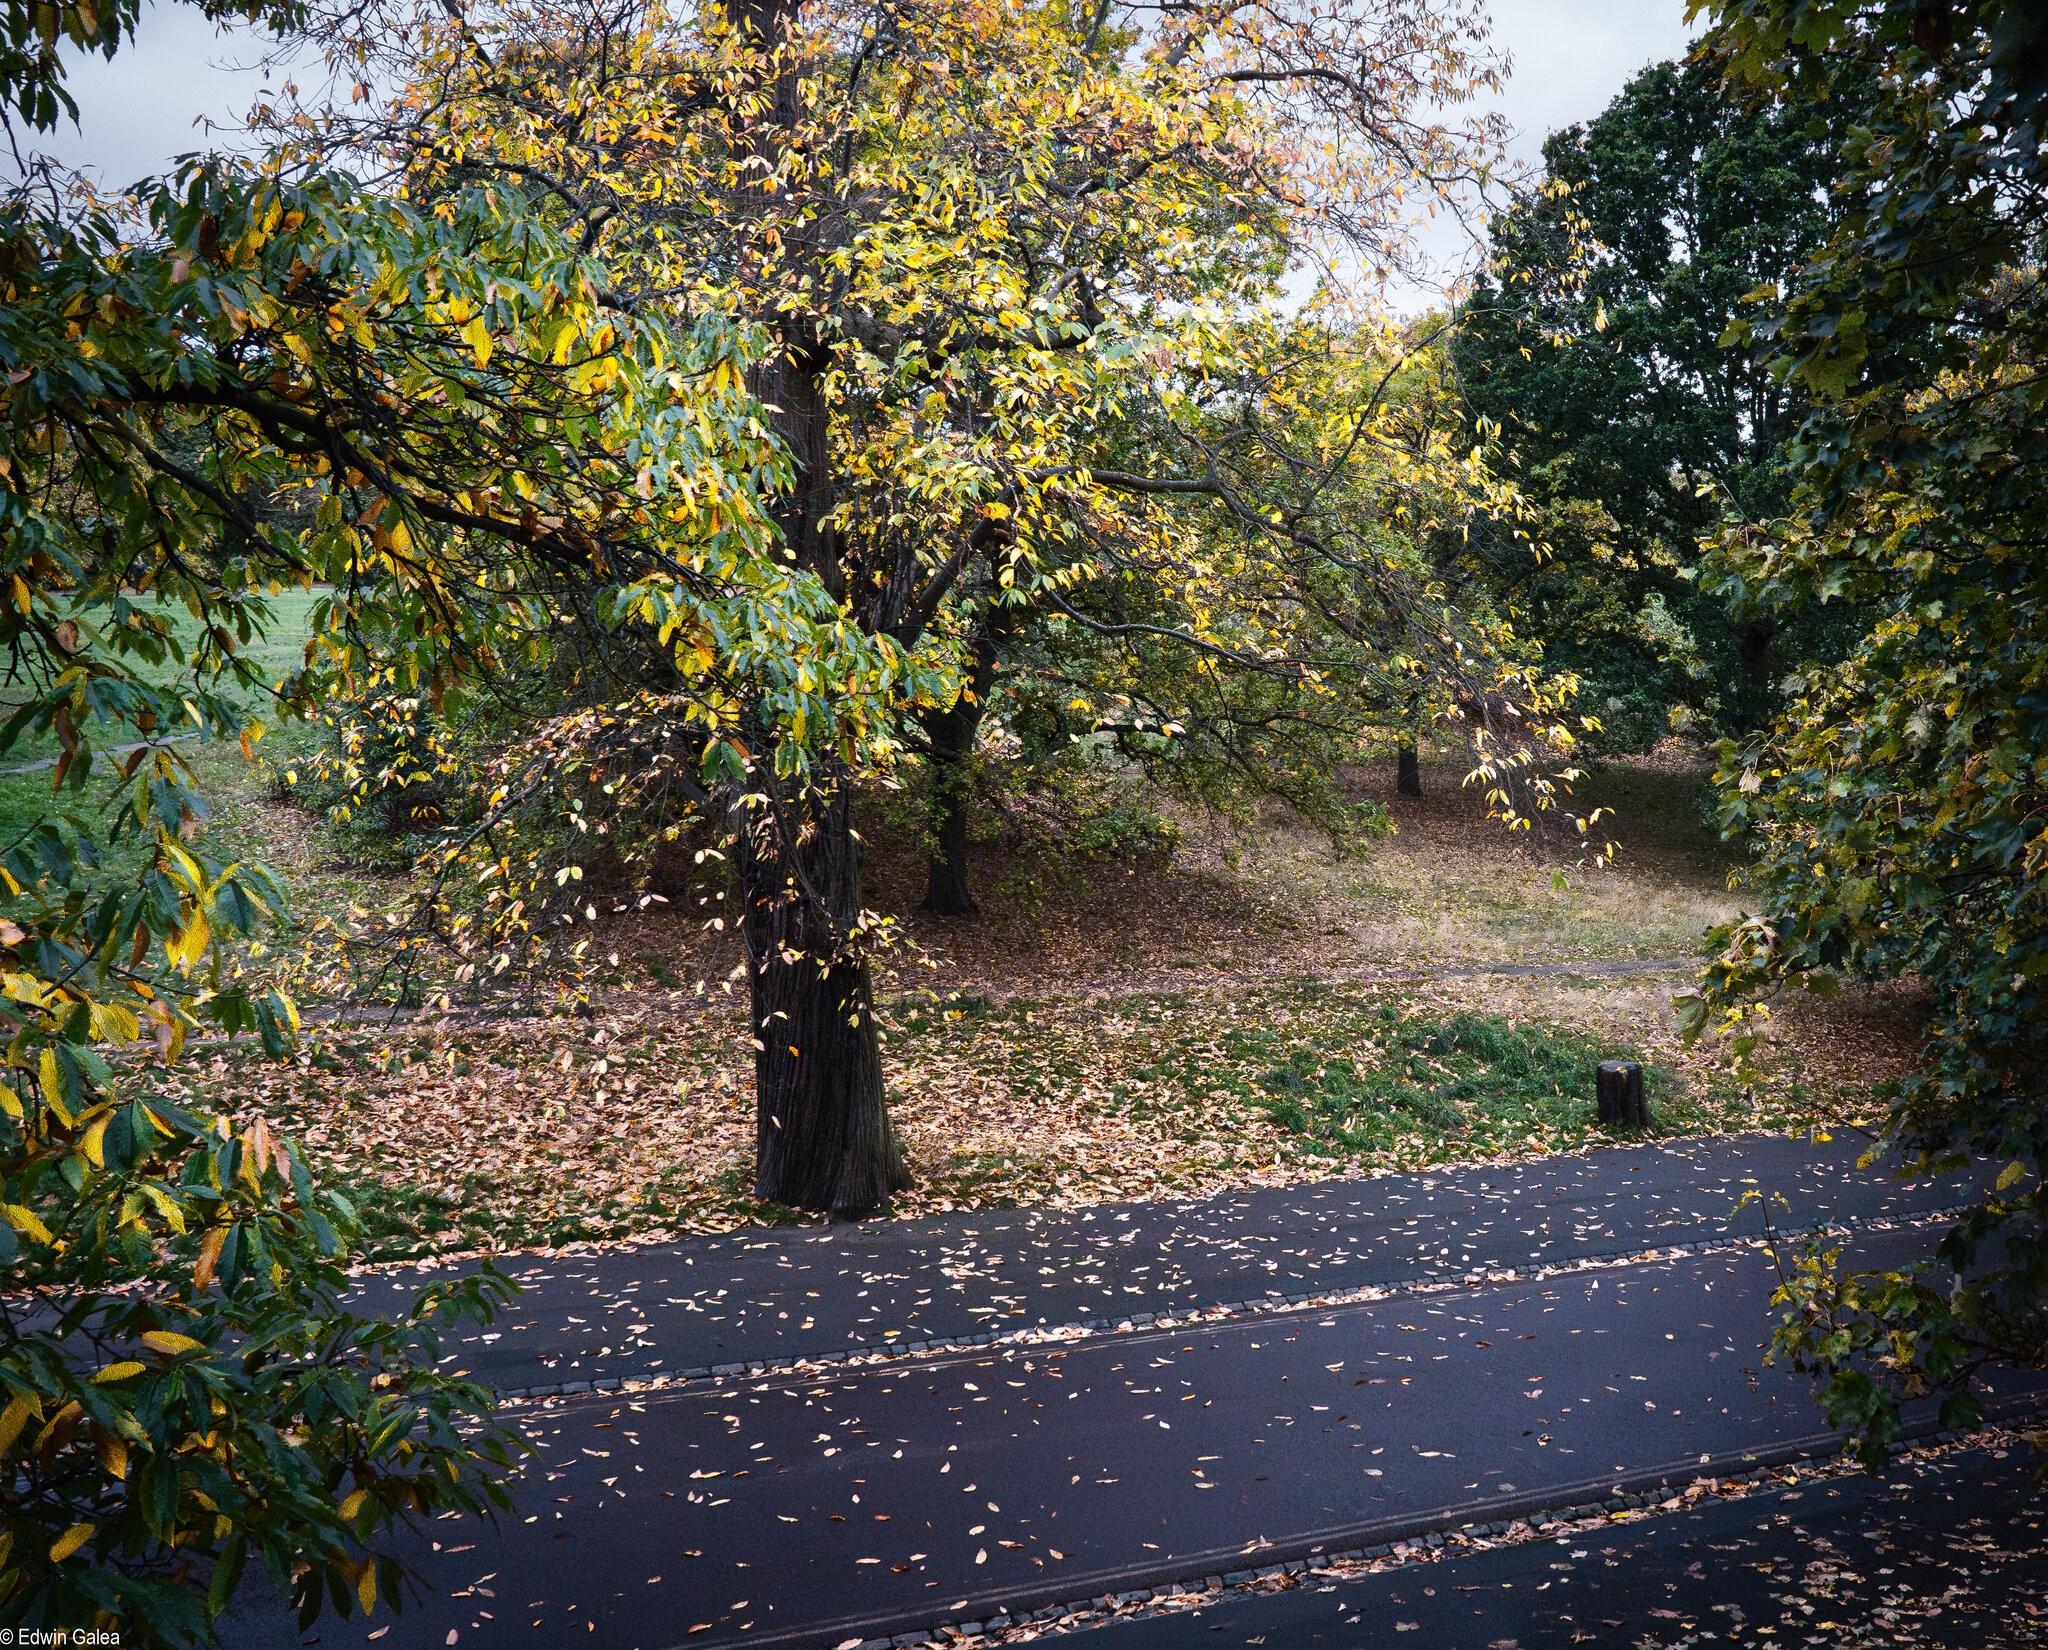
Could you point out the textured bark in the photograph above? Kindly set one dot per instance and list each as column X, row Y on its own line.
column 822, row 1134
column 822, row 1138
column 1618, row 1086
column 1410, row 781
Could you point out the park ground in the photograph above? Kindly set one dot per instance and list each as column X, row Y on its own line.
column 1257, row 1008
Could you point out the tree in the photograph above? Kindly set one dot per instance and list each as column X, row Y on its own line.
column 234, row 380
column 1896, row 802
column 983, row 246
column 1596, row 343
column 1224, row 662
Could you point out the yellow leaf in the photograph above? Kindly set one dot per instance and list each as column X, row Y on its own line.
column 172, row 1211
column 93, row 1143
column 13, row 1419
column 70, row 1541
column 366, row 1588
column 209, row 1256
column 188, row 945
column 185, row 867
column 113, row 1455
column 24, row 1220
column 169, row 1344
column 53, row 1086
column 119, row 1372
column 478, row 337
column 113, row 1023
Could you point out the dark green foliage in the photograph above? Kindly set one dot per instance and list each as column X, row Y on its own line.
column 1896, row 805
column 1597, row 344
column 384, row 770
column 1127, row 830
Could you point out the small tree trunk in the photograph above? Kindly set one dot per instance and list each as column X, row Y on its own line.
column 822, row 1138
column 947, row 893
column 1756, row 642
column 951, row 736
column 1618, row 1090
column 1408, row 778
column 950, row 733
column 1410, row 781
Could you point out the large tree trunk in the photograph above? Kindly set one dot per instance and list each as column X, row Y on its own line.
column 822, row 1138
column 822, row 1134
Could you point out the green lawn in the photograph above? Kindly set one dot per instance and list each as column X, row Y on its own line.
column 27, row 767
column 277, row 653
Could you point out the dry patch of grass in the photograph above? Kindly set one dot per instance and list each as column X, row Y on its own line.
column 1451, row 886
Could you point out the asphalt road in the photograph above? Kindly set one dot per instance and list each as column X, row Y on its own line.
column 875, row 1501
column 773, row 1296
column 1949, row 1554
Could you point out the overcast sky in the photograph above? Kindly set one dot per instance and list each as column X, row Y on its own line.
column 1570, row 57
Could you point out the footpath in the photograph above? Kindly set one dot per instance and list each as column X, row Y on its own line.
column 865, row 1435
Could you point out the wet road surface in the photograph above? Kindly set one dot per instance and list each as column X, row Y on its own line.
column 820, row 1509
column 764, row 1296
column 1947, row 1554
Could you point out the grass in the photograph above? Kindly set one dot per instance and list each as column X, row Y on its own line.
column 243, row 822
column 1478, row 1076
column 1258, row 1011
column 277, row 653
column 507, row 1133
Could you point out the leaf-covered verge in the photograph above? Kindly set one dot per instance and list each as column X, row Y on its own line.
column 537, row 1132
column 1108, row 1029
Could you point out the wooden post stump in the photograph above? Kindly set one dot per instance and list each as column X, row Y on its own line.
column 1618, row 1085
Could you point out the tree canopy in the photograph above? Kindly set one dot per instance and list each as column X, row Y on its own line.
column 1596, row 341
column 1012, row 279
column 1895, row 803
column 238, row 379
